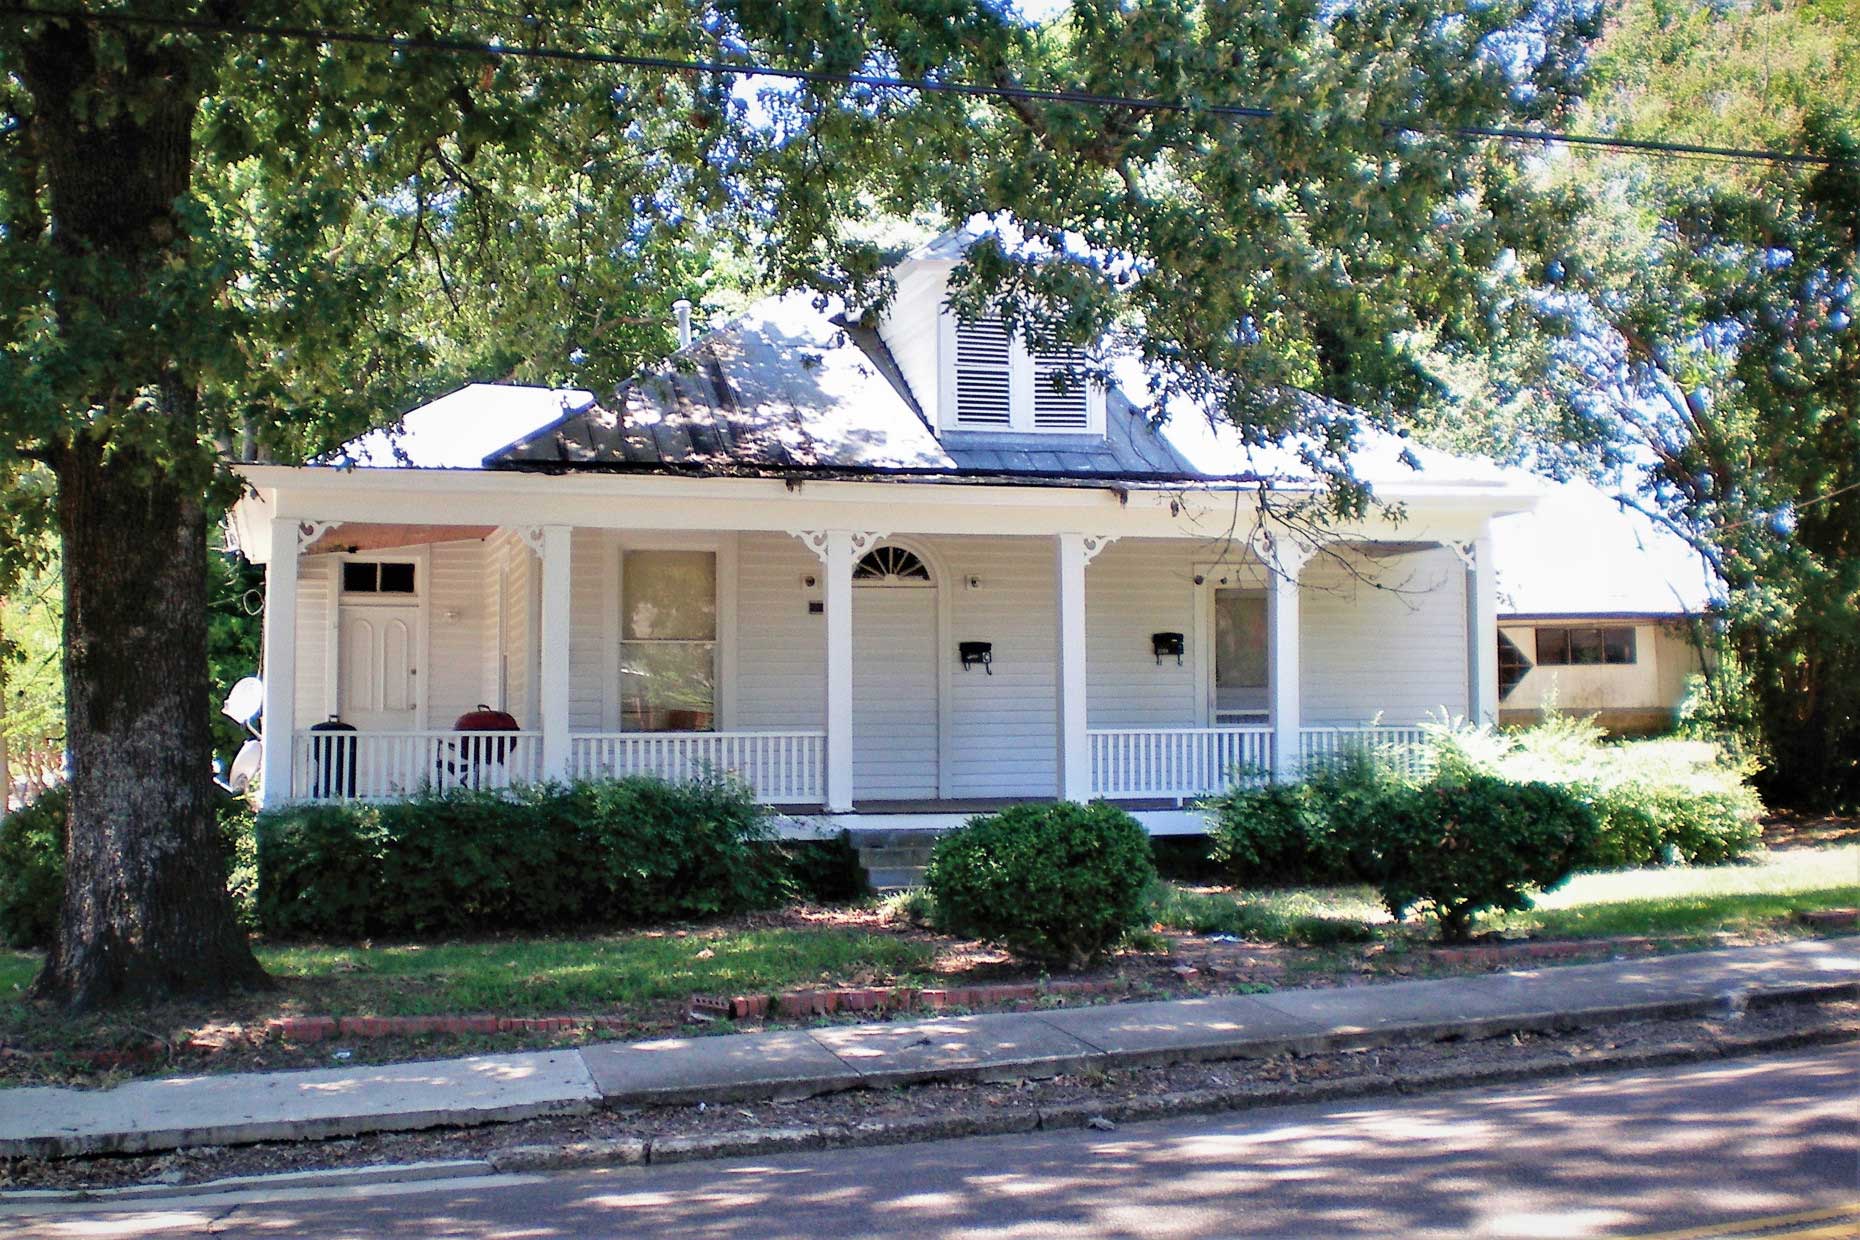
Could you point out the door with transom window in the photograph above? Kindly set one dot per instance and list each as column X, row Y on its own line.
column 895, row 719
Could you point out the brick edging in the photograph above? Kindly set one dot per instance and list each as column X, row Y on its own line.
column 893, row 998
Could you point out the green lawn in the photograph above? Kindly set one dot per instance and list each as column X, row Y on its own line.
column 586, row 974
column 1704, row 900
column 554, row 975
column 1675, row 902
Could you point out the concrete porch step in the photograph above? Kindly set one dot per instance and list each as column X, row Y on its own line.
column 894, row 859
column 895, row 878
column 889, row 858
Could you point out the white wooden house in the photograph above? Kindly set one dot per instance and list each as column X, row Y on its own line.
column 886, row 574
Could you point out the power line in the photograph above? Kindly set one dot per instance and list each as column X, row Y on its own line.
column 1029, row 94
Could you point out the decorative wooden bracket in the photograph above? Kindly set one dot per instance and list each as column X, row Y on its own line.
column 309, row 532
column 862, row 541
column 1094, row 543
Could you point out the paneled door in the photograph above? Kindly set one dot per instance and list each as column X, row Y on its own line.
column 894, row 693
column 380, row 674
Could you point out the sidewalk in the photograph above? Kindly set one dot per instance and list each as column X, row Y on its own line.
column 242, row 1108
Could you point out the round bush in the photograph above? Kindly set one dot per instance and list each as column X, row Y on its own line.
column 1455, row 847
column 1060, row 884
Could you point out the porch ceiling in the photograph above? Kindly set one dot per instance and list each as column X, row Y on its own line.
column 367, row 536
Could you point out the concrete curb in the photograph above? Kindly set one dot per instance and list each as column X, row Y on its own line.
column 336, row 1177
column 753, row 1141
column 1082, row 1114
column 795, row 1087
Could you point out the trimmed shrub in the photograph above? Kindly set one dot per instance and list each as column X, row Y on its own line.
column 1275, row 833
column 1464, row 843
column 32, row 869
column 1060, row 884
column 549, row 857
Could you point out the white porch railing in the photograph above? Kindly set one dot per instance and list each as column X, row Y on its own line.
column 783, row 768
column 1177, row 762
column 372, row 766
column 1403, row 747
column 1182, row 763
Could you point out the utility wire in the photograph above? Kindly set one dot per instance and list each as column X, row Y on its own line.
column 670, row 64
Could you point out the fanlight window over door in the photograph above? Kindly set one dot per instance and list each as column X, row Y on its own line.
column 891, row 566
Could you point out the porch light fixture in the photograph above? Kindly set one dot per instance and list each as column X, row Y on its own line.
column 977, row 654
column 1166, row 643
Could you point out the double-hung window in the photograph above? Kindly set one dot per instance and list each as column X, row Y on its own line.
column 668, row 641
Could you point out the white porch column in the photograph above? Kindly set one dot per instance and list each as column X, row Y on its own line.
column 1284, row 560
column 554, row 639
column 1482, row 633
column 836, row 555
column 280, row 652
column 1071, row 553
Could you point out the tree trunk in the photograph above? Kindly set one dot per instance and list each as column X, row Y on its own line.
column 146, row 914
column 6, row 766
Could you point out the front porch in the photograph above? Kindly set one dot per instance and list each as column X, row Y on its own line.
column 851, row 677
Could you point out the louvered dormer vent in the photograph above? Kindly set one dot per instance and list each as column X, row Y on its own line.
column 992, row 382
column 984, row 374
column 1059, row 392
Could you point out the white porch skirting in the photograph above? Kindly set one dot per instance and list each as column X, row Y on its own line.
column 784, row 768
column 374, row 766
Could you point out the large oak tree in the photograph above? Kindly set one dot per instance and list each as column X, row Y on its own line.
column 216, row 243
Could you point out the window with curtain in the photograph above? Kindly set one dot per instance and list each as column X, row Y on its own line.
column 668, row 641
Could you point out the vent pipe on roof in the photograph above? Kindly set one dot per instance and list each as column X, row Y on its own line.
column 682, row 308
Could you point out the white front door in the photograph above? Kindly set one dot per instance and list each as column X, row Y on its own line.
column 894, row 692
column 380, row 673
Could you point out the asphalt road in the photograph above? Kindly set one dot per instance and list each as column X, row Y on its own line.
column 1679, row 1151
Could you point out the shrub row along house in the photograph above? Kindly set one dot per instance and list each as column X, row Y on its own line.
column 885, row 573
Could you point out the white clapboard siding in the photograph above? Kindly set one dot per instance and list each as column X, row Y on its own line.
column 983, row 374
column 911, row 332
column 1002, row 728
column 456, row 597
column 314, row 616
column 594, row 559
column 519, row 643
column 781, row 652
column 1383, row 638
column 1134, row 589
column 894, row 692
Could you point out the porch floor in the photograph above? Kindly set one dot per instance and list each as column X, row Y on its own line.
column 984, row 805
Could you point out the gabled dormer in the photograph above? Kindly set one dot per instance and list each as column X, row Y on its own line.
column 975, row 375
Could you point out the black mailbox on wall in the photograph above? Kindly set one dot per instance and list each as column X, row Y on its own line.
column 1166, row 644
column 977, row 654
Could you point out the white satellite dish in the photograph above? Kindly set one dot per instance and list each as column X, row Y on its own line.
column 245, row 701
column 245, row 766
